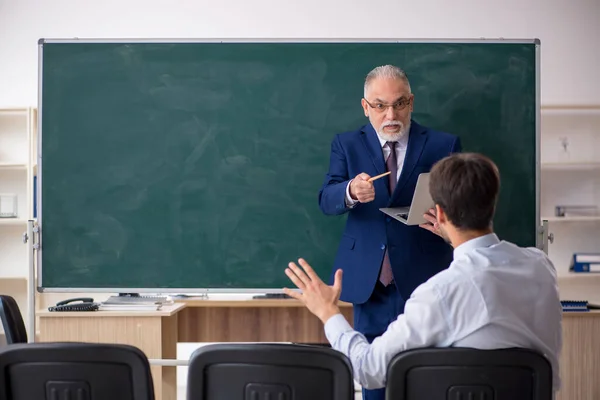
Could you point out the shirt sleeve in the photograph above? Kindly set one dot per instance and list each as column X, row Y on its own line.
column 424, row 324
column 350, row 202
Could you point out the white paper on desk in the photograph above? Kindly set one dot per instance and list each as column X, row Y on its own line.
column 129, row 307
column 138, row 300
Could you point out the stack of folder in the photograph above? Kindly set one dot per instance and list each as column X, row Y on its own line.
column 140, row 303
column 574, row 305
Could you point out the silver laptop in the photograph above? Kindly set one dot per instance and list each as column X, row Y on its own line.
column 421, row 203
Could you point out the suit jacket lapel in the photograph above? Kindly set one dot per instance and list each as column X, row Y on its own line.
column 417, row 137
column 371, row 142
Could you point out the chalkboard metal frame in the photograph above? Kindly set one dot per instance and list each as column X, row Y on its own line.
column 541, row 230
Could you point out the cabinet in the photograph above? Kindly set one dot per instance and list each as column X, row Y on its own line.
column 570, row 176
column 18, row 158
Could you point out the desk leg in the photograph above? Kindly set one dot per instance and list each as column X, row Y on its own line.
column 169, row 352
column 155, row 336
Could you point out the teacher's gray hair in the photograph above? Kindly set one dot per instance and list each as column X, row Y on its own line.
column 388, row 72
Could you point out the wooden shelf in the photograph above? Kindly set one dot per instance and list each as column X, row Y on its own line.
column 13, row 278
column 570, row 110
column 13, row 110
column 558, row 166
column 579, row 276
column 570, row 106
column 9, row 165
column 572, row 219
column 12, row 221
column 17, row 136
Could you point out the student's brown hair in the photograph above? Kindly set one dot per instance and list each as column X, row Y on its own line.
column 466, row 186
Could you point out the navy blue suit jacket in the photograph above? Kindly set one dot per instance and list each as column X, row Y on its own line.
column 415, row 253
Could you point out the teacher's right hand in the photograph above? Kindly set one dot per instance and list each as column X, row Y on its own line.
column 361, row 189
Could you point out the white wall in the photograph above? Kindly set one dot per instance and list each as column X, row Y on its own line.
column 569, row 30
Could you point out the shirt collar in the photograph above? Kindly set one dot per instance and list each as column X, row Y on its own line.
column 482, row 241
column 403, row 142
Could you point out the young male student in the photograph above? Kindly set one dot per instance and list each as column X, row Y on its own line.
column 494, row 294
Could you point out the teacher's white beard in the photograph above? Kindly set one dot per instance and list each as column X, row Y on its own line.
column 394, row 137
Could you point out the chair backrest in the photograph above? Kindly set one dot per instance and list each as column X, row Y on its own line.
column 269, row 371
column 82, row 371
column 461, row 373
column 12, row 321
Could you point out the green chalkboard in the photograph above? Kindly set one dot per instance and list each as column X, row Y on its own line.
column 197, row 165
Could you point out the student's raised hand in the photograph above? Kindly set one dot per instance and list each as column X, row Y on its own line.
column 320, row 298
column 431, row 225
column 361, row 189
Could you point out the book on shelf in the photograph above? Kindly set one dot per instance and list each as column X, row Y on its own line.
column 585, row 262
column 576, row 211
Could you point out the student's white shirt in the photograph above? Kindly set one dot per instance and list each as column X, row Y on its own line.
column 494, row 295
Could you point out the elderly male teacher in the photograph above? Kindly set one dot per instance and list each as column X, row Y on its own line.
column 383, row 260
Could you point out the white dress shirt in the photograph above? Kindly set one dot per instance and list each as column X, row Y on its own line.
column 400, row 154
column 494, row 295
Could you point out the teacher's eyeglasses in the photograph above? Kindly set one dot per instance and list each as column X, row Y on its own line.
column 397, row 106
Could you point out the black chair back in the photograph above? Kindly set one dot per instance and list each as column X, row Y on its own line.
column 269, row 371
column 461, row 373
column 12, row 321
column 74, row 371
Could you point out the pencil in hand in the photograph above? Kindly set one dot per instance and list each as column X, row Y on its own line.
column 378, row 176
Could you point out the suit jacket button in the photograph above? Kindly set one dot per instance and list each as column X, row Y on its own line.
column 383, row 247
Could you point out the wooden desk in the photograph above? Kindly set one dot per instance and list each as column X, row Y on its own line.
column 157, row 333
column 277, row 320
column 153, row 332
